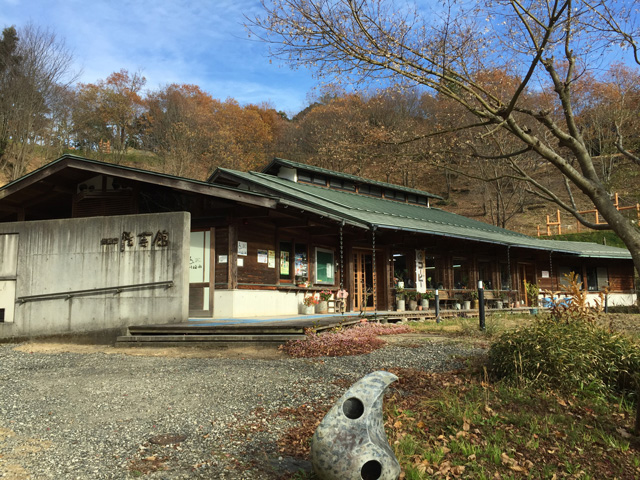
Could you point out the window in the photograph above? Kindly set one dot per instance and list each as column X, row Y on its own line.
column 304, row 177
column 342, row 184
column 370, row 190
column 597, row 278
column 285, row 260
column 505, row 283
column 401, row 270
column 563, row 272
column 431, row 273
column 485, row 273
column 325, row 267
column 301, row 263
column 319, row 180
column 308, row 177
column 461, row 273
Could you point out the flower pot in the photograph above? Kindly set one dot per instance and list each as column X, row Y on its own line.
column 308, row 309
column 475, row 304
column 467, row 304
column 400, row 305
column 499, row 304
column 456, row 306
column 425, row 304
column 413, row 304
column 420, row 307
column 533, row 311
column 322, row 306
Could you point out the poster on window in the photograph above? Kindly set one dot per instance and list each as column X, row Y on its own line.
column 421, row 272
column 284, row 263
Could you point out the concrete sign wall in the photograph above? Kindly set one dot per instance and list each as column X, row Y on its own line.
column 94, row 274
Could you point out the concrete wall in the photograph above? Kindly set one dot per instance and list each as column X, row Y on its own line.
column 60, row 256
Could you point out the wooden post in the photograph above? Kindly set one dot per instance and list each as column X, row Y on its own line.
column 548, row 229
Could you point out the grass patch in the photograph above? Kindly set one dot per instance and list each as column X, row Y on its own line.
column 495, row 325
column 459, row 425
column 465, row 427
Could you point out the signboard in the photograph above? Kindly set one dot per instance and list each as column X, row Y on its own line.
column 421, row 272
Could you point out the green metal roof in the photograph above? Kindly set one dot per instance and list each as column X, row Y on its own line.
column 366, row 211
column 347, row 176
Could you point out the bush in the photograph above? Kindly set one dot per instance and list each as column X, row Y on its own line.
column 570, row 357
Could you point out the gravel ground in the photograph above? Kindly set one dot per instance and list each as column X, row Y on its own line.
column 92, row 415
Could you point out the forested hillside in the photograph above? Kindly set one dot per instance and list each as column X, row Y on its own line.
column 385, row 135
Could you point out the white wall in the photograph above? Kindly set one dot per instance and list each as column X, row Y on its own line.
column 59, row 256
column 255, row 303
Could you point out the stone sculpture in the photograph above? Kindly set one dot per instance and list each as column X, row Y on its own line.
column 350, row 442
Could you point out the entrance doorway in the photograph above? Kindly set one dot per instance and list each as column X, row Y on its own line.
column 200, row 288
column 526, row 273
column 368, row 290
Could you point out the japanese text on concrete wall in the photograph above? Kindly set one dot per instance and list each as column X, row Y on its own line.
column 144, row 240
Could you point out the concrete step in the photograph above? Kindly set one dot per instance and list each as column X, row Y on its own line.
column 210, row 340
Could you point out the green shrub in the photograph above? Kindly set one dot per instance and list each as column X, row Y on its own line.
column 569, row 357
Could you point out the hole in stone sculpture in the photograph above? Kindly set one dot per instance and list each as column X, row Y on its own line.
column 371, row 470
column 353, row 408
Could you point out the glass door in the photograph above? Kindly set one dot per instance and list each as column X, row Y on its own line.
column 364, row 281
column 200, row 274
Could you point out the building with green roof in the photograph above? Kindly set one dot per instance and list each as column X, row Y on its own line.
column 100, row 246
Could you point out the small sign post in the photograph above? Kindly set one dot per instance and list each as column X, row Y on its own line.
column 481, row 305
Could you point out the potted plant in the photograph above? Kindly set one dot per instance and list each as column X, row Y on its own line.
column 533, row 291
column 501, row 296
column 475, row 301
column 413, row 302
column 400, row 296
column 309, row 305
column 426, row 296
column 466, row 301
column 419, row 300
column 323, row 306
column 302, row 282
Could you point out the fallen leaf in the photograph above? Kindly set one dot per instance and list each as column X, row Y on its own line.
column 458, row 470
column 623, row 433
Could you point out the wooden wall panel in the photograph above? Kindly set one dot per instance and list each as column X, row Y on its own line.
column 620, row 278
column 258, row 237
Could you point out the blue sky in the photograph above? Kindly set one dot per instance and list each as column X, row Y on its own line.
column 201, row 42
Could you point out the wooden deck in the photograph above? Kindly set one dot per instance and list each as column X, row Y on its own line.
column 270, row 331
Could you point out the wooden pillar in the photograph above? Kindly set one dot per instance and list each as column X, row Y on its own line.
column 232, row 274
column 212, row 268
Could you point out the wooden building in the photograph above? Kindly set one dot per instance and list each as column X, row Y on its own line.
column 262, row 241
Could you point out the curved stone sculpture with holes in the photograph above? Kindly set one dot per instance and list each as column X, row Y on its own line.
column 350, row 442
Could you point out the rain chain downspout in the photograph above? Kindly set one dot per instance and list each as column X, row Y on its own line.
column 374, row 273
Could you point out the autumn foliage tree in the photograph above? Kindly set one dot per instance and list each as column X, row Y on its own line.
column 547, row 45
column 106, row 113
